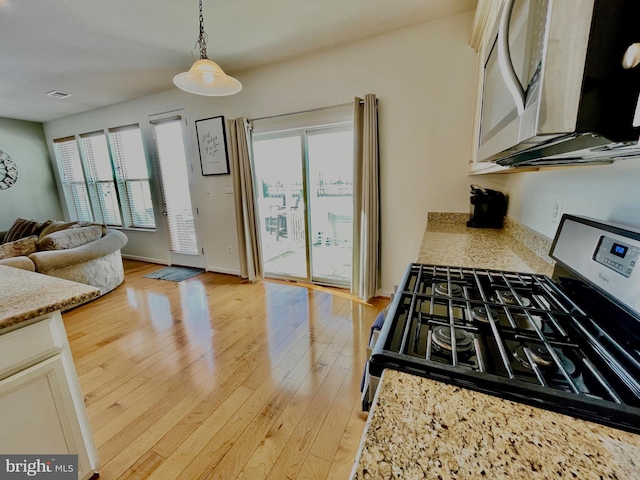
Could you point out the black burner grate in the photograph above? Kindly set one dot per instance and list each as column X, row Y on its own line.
column 510, row 328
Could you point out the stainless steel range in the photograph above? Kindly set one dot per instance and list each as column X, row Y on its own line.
column 570, row 343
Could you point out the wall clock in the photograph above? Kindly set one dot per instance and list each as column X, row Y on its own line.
column 8, row 171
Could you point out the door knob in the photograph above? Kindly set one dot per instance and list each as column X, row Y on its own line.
column 631, row 57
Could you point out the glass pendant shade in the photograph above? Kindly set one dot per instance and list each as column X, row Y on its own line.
column 207, row 78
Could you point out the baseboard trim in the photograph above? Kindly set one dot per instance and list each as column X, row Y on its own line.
column 383, row 293
column 145, row 259
column 228, row 271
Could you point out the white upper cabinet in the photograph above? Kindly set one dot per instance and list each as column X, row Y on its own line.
column 486, row 15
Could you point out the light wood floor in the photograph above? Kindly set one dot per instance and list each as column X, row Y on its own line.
column 217, row 378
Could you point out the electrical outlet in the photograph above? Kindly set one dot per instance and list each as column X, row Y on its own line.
column 556, row 213
column 207, row 192
column 228, row 192
column 229, row 249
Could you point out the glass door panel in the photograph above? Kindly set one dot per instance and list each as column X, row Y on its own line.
column 178, row 204
column 280, row 195
column 330, row 185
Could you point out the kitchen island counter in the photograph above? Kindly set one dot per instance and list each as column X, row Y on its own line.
column 42, row 404
column 421, row 428
column 26, row 295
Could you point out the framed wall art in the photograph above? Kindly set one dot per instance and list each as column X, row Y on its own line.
column 212, row 146
column 8, row 171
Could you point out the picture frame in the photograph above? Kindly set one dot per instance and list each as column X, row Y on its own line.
column 212, row 146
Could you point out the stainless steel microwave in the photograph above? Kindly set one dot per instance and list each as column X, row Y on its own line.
column 562, row 83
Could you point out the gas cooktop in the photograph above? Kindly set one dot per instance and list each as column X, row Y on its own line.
column 563, row 344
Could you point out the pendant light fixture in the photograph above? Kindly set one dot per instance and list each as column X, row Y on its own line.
column 205, row 77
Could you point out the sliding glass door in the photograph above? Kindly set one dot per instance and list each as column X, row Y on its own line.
column 279, row 174
column 304, row 183
column 330, row 186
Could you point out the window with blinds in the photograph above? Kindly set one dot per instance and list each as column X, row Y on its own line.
column 132, row 176
column 106, row 182
column 171, row 157
column 72, row 178
column 99, row 176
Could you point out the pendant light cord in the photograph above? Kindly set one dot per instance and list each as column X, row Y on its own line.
column 202, row 38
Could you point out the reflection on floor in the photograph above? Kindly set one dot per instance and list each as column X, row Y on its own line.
column 329, row 262
column 214, row 377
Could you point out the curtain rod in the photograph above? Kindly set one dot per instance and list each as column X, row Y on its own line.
column 305, row 111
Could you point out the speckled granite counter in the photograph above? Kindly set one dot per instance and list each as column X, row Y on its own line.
column 420, row 428
column 25, row 295
column 448, row 241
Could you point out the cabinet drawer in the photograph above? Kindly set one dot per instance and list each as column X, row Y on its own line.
column 25, row 346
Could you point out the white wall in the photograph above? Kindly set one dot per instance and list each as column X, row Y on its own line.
column 34, row 195
column 607, row 192
column 424, row 78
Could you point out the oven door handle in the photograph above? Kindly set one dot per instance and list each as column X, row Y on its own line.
column 504, row 58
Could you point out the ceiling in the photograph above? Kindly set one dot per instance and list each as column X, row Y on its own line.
column 104, row 52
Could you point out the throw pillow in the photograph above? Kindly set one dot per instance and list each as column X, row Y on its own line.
column 19, row 248
column 21, row 228
column 55, row 226
column 87, row 224
column 70, row 238
column 42, row 226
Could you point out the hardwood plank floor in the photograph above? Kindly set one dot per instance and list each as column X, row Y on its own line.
column 218, row 378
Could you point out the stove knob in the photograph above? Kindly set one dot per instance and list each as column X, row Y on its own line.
column 631, row 57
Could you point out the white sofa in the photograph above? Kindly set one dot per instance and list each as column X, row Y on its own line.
column 97, row 263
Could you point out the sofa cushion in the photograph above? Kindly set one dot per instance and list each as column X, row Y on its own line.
column 55, row 226
column 70, row 238
column 21, row 228
column 24, row 263
column 18, row 248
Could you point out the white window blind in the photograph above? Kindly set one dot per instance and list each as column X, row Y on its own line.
column 132, row 176
column 170, row 152
column 99, row 175
column 72, row 177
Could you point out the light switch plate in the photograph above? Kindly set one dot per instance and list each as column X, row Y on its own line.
column 556, row 213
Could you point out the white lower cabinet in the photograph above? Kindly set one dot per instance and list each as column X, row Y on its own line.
column 41, row 406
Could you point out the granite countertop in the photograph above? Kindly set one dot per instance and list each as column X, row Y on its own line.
column 448, row 241
column 25, row 295
column 420, row 428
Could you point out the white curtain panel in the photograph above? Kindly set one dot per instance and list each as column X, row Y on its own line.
column 366, row 199
column 248, row 250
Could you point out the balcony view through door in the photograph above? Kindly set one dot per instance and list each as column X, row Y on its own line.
column 304, row 183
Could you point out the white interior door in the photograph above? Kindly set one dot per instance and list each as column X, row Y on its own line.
column 178, row 189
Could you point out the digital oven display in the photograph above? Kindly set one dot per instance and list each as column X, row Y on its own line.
column 619, row 250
